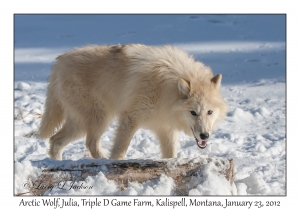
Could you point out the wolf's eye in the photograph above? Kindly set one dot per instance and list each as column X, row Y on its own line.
column 194, row 113
column 209, row 112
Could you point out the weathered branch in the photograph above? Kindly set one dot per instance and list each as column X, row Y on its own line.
column 181, row 170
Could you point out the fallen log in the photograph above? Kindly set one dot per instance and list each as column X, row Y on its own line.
column 186, row 173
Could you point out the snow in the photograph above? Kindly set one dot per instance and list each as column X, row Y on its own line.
column 249, row 50
column 24, row 86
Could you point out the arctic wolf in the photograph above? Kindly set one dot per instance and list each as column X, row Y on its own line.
column 158, row 88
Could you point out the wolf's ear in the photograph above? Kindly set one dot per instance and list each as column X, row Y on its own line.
column 216, row 80
column 184, row 87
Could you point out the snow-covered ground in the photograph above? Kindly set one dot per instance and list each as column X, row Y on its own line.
column 249, row 50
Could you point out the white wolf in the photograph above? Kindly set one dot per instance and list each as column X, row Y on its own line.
column 158, row 88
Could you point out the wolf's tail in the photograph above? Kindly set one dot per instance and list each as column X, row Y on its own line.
column 53, row 113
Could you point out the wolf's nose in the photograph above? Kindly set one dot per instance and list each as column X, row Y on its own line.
column 204, row 136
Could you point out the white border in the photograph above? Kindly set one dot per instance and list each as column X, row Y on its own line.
column 8, row 8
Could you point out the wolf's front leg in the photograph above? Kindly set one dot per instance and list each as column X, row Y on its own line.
column 168, row 139
column 127, row 128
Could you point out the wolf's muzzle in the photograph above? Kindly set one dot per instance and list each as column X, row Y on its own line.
column 204, row 136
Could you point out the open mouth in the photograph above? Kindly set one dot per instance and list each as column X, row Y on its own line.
column 201, row 143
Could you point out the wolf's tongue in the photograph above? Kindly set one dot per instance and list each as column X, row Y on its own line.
column 203, row 143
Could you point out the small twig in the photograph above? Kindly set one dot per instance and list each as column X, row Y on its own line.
column 21, row 115
column 31, row 134
column 38, row 115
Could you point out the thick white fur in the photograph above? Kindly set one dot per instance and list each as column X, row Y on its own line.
column 144, row 86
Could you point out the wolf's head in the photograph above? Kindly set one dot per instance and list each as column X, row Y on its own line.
column 201, row 107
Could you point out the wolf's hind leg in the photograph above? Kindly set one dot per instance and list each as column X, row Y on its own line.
column 127, row 128
column 93, row 143
column 168, row 142
column 68, row 133
column 95, row 129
